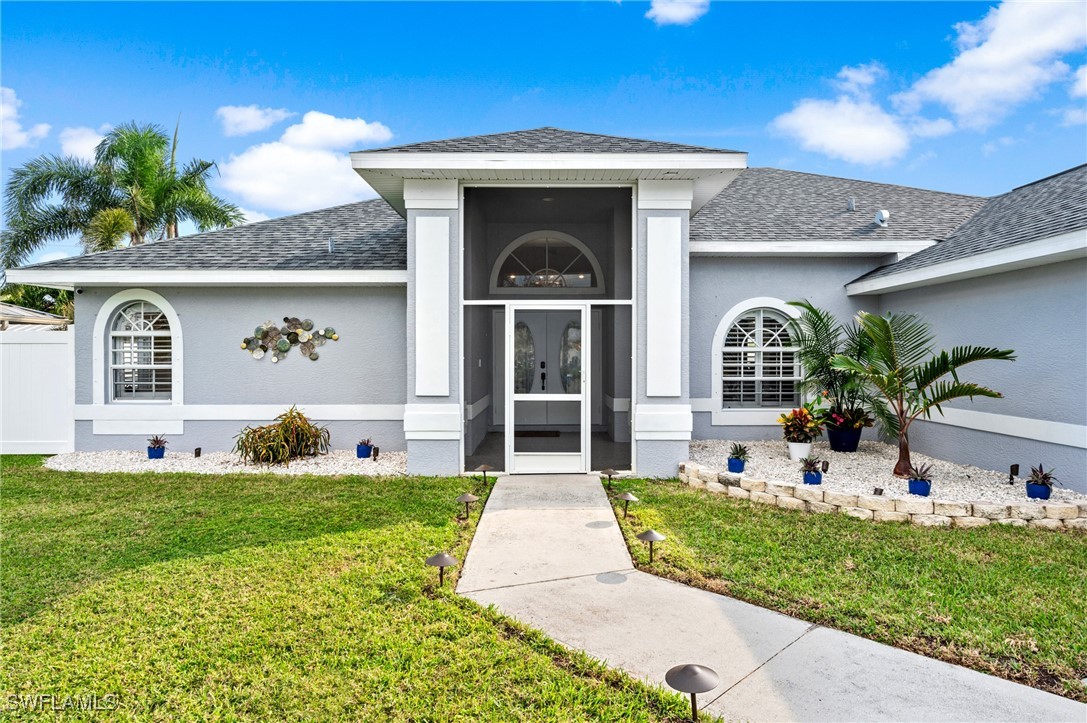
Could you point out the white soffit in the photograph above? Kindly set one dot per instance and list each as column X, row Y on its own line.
column 710, row 172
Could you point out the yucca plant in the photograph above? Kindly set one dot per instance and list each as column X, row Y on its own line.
column 906, row 378
column 291, row 436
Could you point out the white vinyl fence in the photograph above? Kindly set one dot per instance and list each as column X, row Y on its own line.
column 37, row 391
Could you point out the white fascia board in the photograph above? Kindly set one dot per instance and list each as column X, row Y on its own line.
column 406, row 162
column 1066, row 246
column 806, row 248
column 62, row 278
column 431, row 194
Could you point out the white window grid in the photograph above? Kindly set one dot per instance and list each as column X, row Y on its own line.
column 759, row 367
column 141, row 354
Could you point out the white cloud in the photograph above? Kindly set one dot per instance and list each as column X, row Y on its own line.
column 12, row 133
column 239, row 120
column 1004, row 59
column 677, row 12
column 307, row 168
column 252, row 216
column 926, row 128
column 853, row 129
column 81, row 141
column 1079, row 84
column 993, row 146
column 857, row 80
column 1073, row 116
column 321, row 130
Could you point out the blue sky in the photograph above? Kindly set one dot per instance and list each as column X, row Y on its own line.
column 966, row 97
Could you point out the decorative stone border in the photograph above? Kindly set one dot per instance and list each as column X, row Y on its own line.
column 878, row 508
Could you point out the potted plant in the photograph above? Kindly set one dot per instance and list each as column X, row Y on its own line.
column 811, row 467
column 156, row 447
column 1040, row 483
column 920, row 480
column 819, row 338
column 737, row 458
column 364, row 449
column 800, row 427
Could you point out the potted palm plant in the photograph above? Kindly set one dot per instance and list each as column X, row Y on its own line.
column 801, row 427
column 365, row 448
column 737, row 458
column 811, row 467
column 920, row 480
column 906, row 378
column 819, row 338
column 1040, row 483
column 156, row 447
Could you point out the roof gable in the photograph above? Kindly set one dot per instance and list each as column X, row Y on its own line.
column 545, row 140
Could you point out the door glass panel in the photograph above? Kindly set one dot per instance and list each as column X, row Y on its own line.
column 536, row 430
column 524, row 359
column 570, row 358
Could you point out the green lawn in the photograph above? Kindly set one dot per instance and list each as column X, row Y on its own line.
column 1007, row 601
column 257, row 597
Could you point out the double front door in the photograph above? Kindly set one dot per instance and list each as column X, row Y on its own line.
column 547, row 393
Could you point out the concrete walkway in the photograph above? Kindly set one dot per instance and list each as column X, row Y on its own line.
column 548, row 552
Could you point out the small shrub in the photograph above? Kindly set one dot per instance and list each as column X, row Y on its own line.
column 291, row 436
column 921, row 473
column 810, row 464
column 1038, row 476
column 157, row 441
column 737, row 451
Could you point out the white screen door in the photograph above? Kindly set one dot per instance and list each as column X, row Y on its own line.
column 547, row 347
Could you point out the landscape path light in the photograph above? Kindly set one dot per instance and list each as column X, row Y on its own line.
column 693, row 679
column 467, row 499
column 627, row 498
column 441, row 561
column 484, row 468
column 609, row 472
column 651, row 536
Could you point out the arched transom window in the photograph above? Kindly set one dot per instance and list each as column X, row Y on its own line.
column 759, row 367
column 546, row 261
column 141, row 354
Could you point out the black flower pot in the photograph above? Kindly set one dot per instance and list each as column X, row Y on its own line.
column 844, row 440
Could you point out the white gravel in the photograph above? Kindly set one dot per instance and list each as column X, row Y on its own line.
column 871, row 466
column 337, row 462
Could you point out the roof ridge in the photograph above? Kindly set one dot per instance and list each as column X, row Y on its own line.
column 861, row 180
column 1047, row 178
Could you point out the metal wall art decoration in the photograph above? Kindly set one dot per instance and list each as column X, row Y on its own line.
column 279, row 340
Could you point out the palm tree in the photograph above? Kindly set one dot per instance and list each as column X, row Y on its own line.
column 819, row 338
column 907, row 378
column 132, row 189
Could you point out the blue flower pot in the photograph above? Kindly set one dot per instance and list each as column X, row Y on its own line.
column 920, row 487
column 156, row 452
column 1038, row 492
column 364, row 451
column 813, row 478
column 844, row 440
column 735, row 465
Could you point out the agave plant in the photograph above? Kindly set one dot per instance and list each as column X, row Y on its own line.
column 737, row 451
column 921, row 473
column 1039, row 476
column 157, row 442
column 810, row 464
column 906, row 378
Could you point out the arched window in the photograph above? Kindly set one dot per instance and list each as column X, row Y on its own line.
column 758, row 359
column 544, row 262
column 141, row 354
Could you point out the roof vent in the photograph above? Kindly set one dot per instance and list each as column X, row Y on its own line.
column 851, row 204
column 882, row 218
column 331, row 244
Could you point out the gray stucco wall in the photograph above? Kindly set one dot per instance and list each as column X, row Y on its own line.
column 365, row 366
column 1041, row 313
column 719, row 283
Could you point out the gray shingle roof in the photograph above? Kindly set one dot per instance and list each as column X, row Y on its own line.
column 767, row 204
column 369, row 235
column 545, row 140
column 1049, row 207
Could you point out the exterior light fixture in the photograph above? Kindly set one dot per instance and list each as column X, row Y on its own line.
column 609, row 472
column 692, row 679
column 826, row 465
column 1013, row 472
column 441, row 561
column 484, row 468
column 196, row 452
column 877, row 491
column 467, row 499
column 627, row 498
column 651, row 536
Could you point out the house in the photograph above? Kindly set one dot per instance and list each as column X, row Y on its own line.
column 555, row 301
column 20, row 318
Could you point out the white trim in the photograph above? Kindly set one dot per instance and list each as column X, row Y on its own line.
column 432, row 327
column 663, row 306
column 68, row 278
column 814, row 247
column 1041, row 430
column 99, row 347
column 1071, row 245
column 545, row 234
column 433, row 193
column 617, row 404
column 659, row 195
column 432, row 421
column 236, row 412
column 716, row 381
column 410, row 161
column 663, row 422
column 476, row 408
